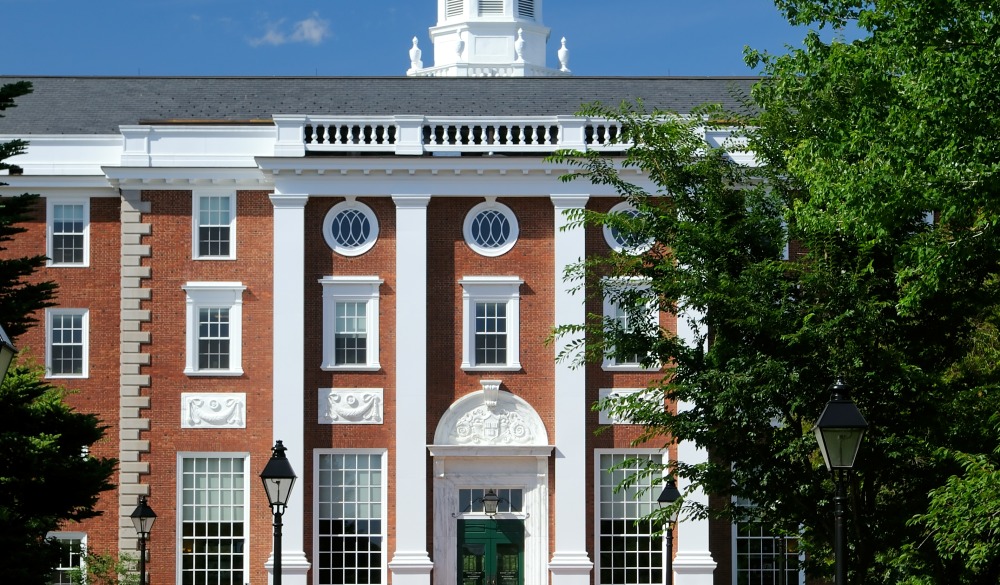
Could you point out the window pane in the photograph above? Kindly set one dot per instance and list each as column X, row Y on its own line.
column 628, row 551
column 491, row 333
column 67, row 234
column 213, row 339
column 214, row 225
column 351, row 334
column 212, row 526
column 350, row 525
column 66, row 350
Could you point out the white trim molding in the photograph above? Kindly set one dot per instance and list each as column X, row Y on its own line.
column 340, row 289
column 51, row 203
column 197, row 195
column 498, row 289
column 83, row 342
column 214, row 295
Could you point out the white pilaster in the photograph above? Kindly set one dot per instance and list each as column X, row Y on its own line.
column 288, row 398
column 411, row 564
column 693, row 563
column 570, row 564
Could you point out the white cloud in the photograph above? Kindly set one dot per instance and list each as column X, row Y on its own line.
column 312, row 30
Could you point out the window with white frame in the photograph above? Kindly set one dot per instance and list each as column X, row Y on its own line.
column 212, row 501
column 765, row 558
column 621, row 240
column 68, row 229
column 67, row 339
column 74, row 550
column 607, row 417
column 628, row 308
column 214, row 328
column 214, row 230
column 350, row 517
column 491, row 322
column 628, row 550
column 490, row 228
column 350, row 322
column 350, row 228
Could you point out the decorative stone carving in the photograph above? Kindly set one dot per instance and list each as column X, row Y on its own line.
column 519, row 46
column 415, row 53
column 223, row 410
column 563, row 54
column 491, row 392
column 350, row 406
column 471, row 422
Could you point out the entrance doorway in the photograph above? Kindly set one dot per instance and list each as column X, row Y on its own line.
column 491, row 552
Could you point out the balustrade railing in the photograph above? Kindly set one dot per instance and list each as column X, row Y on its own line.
column 417, row 135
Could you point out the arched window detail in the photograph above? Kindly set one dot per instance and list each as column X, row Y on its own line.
column 622, row 242
column 490, row 229
column 350, row 228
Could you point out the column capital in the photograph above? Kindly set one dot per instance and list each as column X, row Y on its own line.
column 569, row 201
column 411, row 200
column 288, row 201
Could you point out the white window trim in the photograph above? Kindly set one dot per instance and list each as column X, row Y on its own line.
column 85, row 324
column 347, row 289
column 384, row 503
column 477, row 289
column 179, row 506
column 350, row 203
column 611, row 310
column 196, row 223
column 605, row 418
column 507, row 212
column 609, row 238
column 50, row 203
column 596, row 512
column 215, row 295
column 81, row 536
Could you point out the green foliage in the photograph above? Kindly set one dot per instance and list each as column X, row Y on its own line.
column 855, row 143
column 102, row 569
column 45, row 477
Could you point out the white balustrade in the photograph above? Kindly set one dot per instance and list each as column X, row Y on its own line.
column 415, row 135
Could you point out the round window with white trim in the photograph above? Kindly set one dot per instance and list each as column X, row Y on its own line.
column 620, row 241
column 350, row 228
column 490, row 229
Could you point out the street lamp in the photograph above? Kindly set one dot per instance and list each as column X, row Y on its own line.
column 278, row 478
column 839, row 431
column 142, row 518
column 7, row 353
column 668, row 496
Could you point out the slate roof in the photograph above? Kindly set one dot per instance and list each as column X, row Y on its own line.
column 99, row 105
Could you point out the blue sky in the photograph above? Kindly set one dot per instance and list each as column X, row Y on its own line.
column 367, row 37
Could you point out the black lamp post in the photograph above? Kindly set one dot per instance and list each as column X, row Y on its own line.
column 142, row 518
column 839, row 431
column 278, row 478
column 668, row 496
column 7, row 353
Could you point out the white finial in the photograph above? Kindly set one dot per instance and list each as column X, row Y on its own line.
column 461, row 44
column 415, row 52
column 519, row 46
column 563, row 57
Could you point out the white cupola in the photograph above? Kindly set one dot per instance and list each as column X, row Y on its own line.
column 488, row 38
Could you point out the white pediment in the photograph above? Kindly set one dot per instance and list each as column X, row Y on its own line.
column 476, row 421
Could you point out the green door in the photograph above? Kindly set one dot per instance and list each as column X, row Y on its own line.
column 491, row 552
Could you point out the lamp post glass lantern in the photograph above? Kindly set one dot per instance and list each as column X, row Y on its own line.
column 669, row 496
column 142, row 519
column 7, row 353
column 278, row 478
column 839, row 431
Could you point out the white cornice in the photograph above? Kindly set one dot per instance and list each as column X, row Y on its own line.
column 186, row 178
column 17, row 184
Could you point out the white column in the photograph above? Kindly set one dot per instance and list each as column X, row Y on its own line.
column 288, row 373
column 570, row 564
column 411, row 564
column 693, row 564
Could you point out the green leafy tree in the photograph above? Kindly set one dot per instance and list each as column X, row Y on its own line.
column 46, row 477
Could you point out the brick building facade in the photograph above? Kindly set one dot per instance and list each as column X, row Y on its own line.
column 367, row 270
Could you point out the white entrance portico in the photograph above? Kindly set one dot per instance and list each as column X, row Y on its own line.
column 491, row 439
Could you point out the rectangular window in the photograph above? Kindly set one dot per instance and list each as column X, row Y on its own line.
column 350, row 322
column 352, row 333
column 213, row 338
column 764, row 558
column 66, row 330
column 628, row 310
column 74, row 548
column 350, row 520
column 628, row 552
column 491, row 333
column 214, row 328
column 214, row 225
column 68, row 225
column 213, row 494
column 491, row 322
